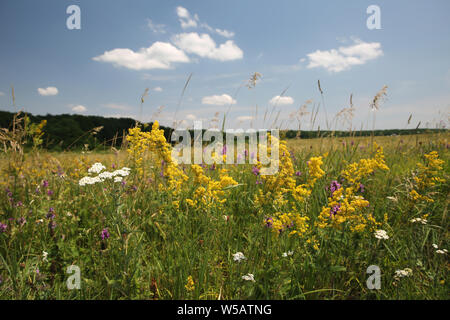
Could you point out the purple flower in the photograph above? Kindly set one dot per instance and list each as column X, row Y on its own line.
column 50, row 192
column 255, row 170
column 3, row 227
column 258, row 181
column 19, row 204
column 52, row 225
column 213, row 167
column 361, row 188
column 45, row 183
column 298, row 173
column 334, row 186
column 51, row 213
column 224, row 150
column 335, row 210
column 268, row 222
column 105, row 234
column 21, row 221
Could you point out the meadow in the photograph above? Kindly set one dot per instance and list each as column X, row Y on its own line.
column 140, row 226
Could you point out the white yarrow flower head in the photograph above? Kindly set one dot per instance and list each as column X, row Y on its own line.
column 435, row 246
column 44, row 256
column 440, row 251
column 96, row 168
column 407, row 272
column 118, row 179
column 419, row 220
column 289, row 253
column 249, row 277
column 239, row 256
column 381, row 234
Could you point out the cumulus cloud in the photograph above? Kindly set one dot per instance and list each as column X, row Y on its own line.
column 204, row 46
column 79, row 108
column 160, row 55
column 49, row 91
column 157, row 89
column 217, row 100
column 185, row 18
column 281, row 101
column 343, row 58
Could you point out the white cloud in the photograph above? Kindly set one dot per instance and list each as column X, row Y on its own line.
column 160, row 55
column 186, row 20
column 79, row 108
column 204, row 46
column 244, row 118
column 218, row 100
column 343, row 58
column 281, row 101
column 157, row 89
column 156, row 28
column 191, row 117
column 225, row 33
column 49, row 91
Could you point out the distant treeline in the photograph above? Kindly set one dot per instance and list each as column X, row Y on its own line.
column 65, row 131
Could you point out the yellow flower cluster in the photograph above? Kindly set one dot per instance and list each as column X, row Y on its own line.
column 344, row 205
column 427, row 176
column 282, row 192
column 190, row 285
column 140, row 142
column 209, row 192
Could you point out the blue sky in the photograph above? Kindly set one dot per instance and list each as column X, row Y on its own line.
column 124, row 47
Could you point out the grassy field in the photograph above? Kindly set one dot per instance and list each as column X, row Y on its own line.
column 162, row 231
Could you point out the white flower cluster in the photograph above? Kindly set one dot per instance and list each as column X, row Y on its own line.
column 440, row 251
column 238, row 256
column 249, row 277
column 381, row 234
column 96, row 168
column 419, row 220
column 289, row 253
column 407, row 272
column 118, row 175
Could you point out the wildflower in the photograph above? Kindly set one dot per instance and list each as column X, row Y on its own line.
column 361, row 188
column 249, row 277
column 435, row 246
column 44, row 256
column 298, row 173
column 419, row 220
column 334, row 210
column 50, row 192
column 268, row 222
column 255, row 170
column 407, row 272
column 45, row 183
column 21, row 221
column 118, row 179
column 381, row 234
column 441, row 251
column 3, row 227
column 105, row 234
column 96, row 168
column 238, row 256
column 190, row 285
column 289, row 253
column 334, row 186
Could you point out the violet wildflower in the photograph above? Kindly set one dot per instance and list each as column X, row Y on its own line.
column 268, row 222
column 45, row 183
column 50, row 192
column 361, row 188
column 3, row 227
column 255, row 171
column 51, row 213
column 298, row 173
column 105, row 234
column 19, row 204
column 335, row 210
column 334, row 186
